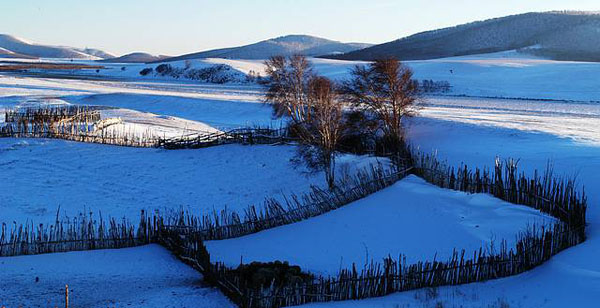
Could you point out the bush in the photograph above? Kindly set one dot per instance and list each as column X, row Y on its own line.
column 164, row 69
column 146, row 71
column 430, row 86
column 279, row 274
column 220, row 73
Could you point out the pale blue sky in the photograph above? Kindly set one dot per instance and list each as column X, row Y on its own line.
column 180, row 26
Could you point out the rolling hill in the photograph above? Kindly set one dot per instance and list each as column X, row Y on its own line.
column 556, row 35
column 21, row 48
column 136, row 57
column 285, row 45
column 5, row 53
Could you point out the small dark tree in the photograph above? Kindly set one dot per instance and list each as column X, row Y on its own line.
column 386, row 91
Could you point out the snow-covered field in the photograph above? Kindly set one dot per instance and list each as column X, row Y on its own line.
column 471, row 130
column 216, row 113
column 39, row 176
column 147, row 276
column 412, row 218
column 579, row 121
column 569, row 279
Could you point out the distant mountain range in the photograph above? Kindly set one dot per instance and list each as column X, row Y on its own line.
column 12, row 47
column 136, row 57
column 573, row 36
column 285, row 45
column 556, row 35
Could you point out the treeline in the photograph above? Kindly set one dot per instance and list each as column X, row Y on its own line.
column 432, row 86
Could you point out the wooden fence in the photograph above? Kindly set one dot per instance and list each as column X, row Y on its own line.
column 74, row 123
column 241, row 135
column 274, row 213
column 83, row 232
column 84, row 124
column 555, row 196
column 535, row 245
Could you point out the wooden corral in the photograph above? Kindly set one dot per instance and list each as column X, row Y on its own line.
column 181, row 234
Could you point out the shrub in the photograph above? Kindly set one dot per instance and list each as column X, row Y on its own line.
column 278, row 274
column 164, row 69
column 220, row 73
column 146, row 71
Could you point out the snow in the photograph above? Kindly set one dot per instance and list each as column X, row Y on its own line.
column 42, row 175
column 569, row 279
column 578, row 121
column 22, row 46
column 411, row 217
column 217, row 113
column 49, row 87
column 147, row 276
column 514, row 77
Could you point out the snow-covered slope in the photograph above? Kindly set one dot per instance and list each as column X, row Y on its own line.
column 5, row 53
column 373, row 228
column 136, row 57
column 96, row 53
column 286, row 45
column 20, row 46
column 556, row 35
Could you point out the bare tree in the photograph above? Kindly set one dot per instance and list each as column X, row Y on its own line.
column 323, row 129
column 312, row 103
column 287, row 88
column 386, row 90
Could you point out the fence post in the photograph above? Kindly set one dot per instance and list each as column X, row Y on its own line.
column 66, row 296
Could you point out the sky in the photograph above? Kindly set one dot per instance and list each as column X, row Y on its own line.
column 174, row 27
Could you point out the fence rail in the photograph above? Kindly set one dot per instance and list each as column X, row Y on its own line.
column 85, row 124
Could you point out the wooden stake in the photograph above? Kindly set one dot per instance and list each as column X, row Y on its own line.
column 66, row 296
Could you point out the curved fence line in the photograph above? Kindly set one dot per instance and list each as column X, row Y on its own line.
column 554, row 196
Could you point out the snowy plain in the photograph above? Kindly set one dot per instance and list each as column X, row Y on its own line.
column 471, row 130
column 146, row 276
column 41, row 176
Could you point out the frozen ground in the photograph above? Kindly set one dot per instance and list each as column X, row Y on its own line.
column 147, row 276
column 38, row 176
column 412, row 218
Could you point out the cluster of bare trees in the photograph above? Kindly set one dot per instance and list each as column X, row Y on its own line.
column 323, row 114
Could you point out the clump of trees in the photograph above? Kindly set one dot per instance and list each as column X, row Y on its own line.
column 386, row 93
column 431, row 86
column 146, row 71
column 218, row 73
column 361, row 114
